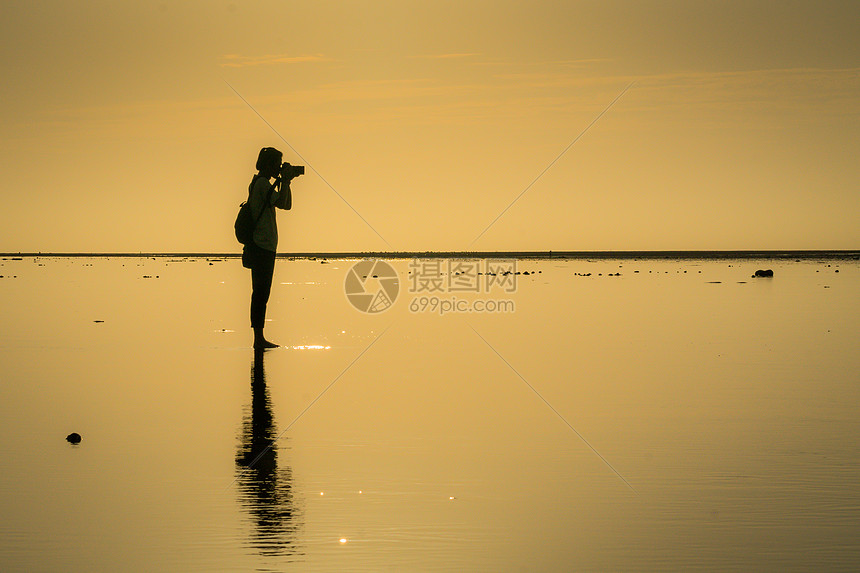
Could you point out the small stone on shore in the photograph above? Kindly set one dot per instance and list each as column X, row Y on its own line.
column 74, row 438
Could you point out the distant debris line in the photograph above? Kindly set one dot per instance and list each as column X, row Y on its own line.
column 772, row 254
column 585, row 255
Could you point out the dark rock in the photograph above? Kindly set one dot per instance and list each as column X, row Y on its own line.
column 761, row 273
column 74, row 438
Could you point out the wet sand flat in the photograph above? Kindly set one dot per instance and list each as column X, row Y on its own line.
column 624, row 414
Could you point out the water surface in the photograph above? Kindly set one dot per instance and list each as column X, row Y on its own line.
column 452, row 442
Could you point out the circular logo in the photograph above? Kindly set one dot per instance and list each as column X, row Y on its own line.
column 371, row 286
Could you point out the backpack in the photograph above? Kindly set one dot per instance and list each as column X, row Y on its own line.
column 246, row 223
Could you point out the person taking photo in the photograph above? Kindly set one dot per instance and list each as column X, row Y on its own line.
column 264, row 196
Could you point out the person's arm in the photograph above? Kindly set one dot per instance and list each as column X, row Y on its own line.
column 284, row 198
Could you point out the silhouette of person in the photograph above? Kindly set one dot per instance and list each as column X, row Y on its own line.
column 259, row 256
column 266, row 491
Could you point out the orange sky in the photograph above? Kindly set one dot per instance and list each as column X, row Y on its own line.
column 119, row 133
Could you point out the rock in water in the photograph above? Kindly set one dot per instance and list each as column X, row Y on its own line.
column 761, row 273
column 74, row 438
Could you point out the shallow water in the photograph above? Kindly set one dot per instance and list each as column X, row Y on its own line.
column 680, row 416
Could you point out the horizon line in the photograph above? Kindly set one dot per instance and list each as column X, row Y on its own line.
column 549, row 254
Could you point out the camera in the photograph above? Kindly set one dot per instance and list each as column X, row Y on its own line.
column 289, row 171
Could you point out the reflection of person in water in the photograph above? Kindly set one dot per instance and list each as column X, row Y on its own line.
column 265, row 490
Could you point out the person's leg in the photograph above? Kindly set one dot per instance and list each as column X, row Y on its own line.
column 262, row 272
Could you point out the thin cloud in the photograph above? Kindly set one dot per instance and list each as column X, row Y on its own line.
column 545, row 64
column 828, row 90
column 237, row 61
column 447, row 56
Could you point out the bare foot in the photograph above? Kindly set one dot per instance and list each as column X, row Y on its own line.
column 263, row 344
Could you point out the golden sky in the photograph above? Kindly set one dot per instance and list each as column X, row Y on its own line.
column 119, row 132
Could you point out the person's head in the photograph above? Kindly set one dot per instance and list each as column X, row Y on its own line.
column 269, row 162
